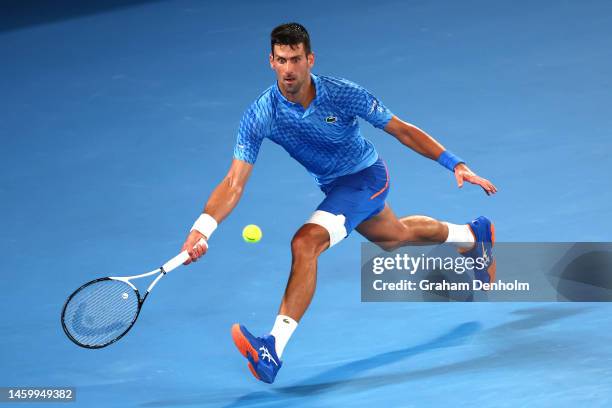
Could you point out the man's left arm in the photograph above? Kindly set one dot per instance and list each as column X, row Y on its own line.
column 422, row 143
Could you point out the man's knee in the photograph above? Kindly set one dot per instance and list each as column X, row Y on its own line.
column 310, row 239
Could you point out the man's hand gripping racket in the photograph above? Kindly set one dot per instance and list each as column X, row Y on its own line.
column 194, row 247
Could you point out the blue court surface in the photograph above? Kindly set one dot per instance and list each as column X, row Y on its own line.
column 118, row 120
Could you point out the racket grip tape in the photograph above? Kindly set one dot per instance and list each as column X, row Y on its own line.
column 181, row 258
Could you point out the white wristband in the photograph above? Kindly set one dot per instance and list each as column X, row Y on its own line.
column 205, row 225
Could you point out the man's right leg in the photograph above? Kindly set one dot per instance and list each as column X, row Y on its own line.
column 306, row 246
column 264, row 353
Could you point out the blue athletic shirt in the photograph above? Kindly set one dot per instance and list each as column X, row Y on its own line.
column 325, row 138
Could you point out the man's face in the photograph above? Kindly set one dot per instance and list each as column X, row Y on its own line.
column 292, row 66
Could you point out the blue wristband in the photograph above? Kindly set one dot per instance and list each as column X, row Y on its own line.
column 449, row 160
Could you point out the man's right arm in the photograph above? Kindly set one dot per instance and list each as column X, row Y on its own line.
column 220, row 204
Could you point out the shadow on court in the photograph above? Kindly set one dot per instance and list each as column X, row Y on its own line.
column 343, row 375
column 18, row 14
column 520, row 350
column 509, row 345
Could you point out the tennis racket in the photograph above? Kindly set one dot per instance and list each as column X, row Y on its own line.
column 102, row 311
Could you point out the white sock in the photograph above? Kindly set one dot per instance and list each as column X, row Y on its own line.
column 284, row 326
column 460, row 235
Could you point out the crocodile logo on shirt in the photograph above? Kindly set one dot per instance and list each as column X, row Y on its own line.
column 331, row 119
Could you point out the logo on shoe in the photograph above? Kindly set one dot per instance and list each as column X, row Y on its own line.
column 484, row 253
column 266, row 354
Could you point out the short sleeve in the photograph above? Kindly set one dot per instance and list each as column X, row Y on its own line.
column 250, row 134
column 360, row 102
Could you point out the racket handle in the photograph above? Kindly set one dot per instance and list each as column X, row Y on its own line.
column 181, row 258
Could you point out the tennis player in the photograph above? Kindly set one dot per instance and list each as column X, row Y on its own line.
column 314, row 118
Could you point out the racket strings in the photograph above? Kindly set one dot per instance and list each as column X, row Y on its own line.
column 101, row 312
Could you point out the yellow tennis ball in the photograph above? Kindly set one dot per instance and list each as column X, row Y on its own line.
column 251, row 233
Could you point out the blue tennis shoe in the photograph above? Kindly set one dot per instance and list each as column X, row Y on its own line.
column 260, row 351
column 484, row 233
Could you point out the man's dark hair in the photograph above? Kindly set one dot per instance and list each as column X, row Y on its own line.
column 290, row 34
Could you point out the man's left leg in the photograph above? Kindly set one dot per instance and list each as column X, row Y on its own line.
column 475, row 239
column 389, row 232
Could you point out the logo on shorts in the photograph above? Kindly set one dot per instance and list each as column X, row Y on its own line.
column 331, row 119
